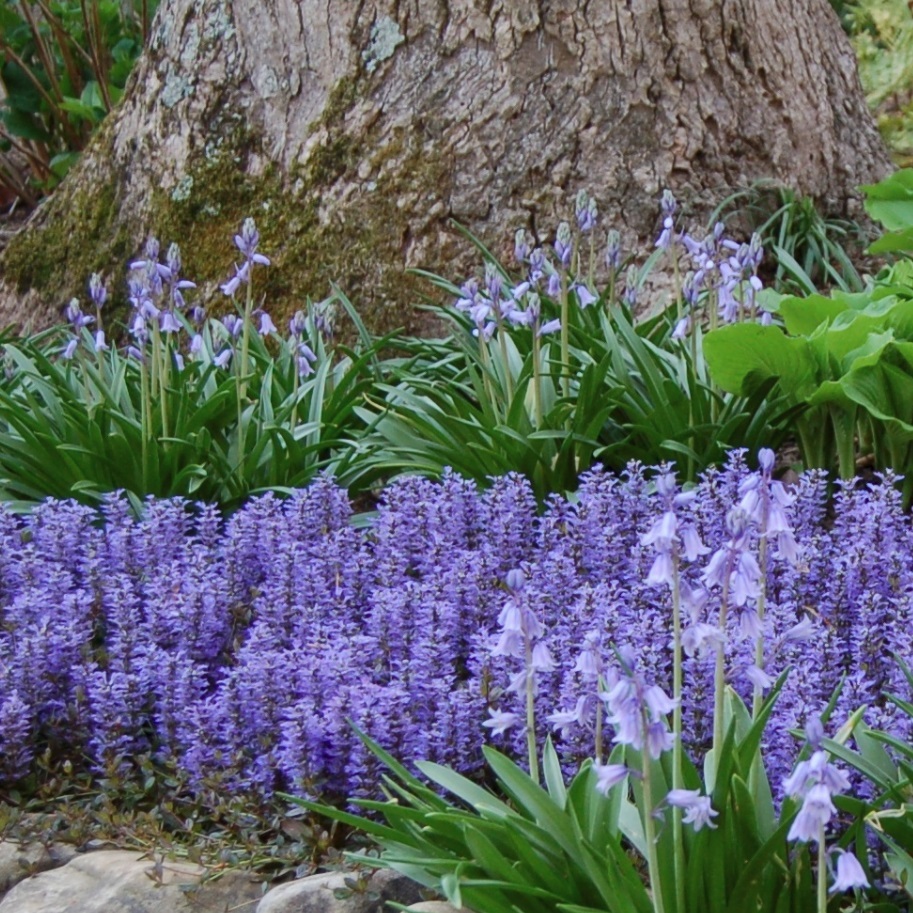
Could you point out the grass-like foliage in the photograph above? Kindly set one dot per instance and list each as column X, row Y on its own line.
column 545, row 373
column 205, row 408
column 808, row 249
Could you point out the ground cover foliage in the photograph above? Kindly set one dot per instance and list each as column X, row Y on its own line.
column 236, row 657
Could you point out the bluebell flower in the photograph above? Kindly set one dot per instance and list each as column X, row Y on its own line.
column 500, row 722
column 266, row 324
column 168, row 323
column 97, row 291
column 613, row 250
column 564, row 244
column 586, row 212
column 584, row 296
column 849, row 873
column 609, row 776
column 306, row 359
column 522, row 246
column 550, row 326
column 698, row 810
column 247, row 242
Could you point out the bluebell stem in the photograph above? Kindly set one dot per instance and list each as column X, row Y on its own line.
column 673, row 540
column 613, row 264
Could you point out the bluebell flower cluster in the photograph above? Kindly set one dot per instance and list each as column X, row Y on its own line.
column 239, row 649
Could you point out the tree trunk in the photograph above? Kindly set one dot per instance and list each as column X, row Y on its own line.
column 354, row 132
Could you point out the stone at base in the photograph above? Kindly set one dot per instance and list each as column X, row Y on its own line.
column 20, row 860
column 115, row 881
column 317, row 894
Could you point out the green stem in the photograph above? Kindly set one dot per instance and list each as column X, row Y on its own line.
column 537, row 373
column 296, row 381
column 146, row 417
column 565, row 340
column 677, row 775
column 650, row 830
column 719, row 677
column 844, row 425
column 599, row 709
column 486, row 373
column 757, row 697
column 591, row 274
column 531, row 715
column 677, row 288
column 822, row 871
column 243, row 370
column 164, row 377
column 502, row 342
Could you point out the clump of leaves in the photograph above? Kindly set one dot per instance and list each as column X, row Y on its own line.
column 144, row 804
column 63, row 66
column 807, row 248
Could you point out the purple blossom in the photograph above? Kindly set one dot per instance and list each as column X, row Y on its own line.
column 849, row 874
column 697, row 807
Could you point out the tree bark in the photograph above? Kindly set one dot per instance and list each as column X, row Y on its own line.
column 355, row 131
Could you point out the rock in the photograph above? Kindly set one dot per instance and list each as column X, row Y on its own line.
column 115, row 881
column 19, row 860
column 317, row 894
